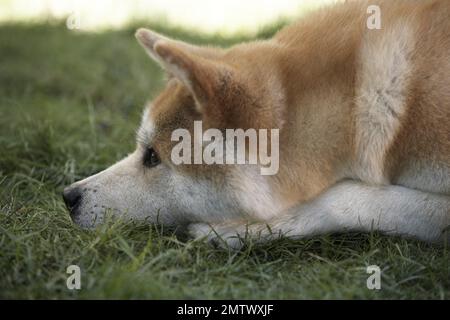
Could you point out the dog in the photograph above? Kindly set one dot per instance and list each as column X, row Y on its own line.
column 364, row 131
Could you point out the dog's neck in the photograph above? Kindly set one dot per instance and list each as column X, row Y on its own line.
column 318, row 132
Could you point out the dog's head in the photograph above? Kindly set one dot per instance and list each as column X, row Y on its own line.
column 224, row 89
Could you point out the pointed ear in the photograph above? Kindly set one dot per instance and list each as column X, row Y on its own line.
column 147, row 39
column 198, row 74
column 201, row 75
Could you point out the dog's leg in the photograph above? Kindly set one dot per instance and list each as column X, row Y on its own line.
column 347, row 206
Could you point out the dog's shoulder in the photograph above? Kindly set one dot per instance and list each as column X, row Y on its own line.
column 402, row 98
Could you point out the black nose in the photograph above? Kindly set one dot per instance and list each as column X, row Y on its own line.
column 72, row 198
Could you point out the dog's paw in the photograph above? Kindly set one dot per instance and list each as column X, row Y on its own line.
column 223, row 236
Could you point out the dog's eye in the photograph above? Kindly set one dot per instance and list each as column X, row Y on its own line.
column 151, row 158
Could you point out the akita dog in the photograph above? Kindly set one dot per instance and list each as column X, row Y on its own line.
column 364, row 131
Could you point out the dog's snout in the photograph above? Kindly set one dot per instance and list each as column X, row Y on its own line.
column 72, row 197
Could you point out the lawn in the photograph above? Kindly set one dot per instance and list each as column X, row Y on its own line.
column 69, row 106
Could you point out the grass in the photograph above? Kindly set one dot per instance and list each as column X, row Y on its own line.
column 69, row 105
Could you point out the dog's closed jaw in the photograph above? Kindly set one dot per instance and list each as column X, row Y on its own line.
column 129, row 191
column 123, row 190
